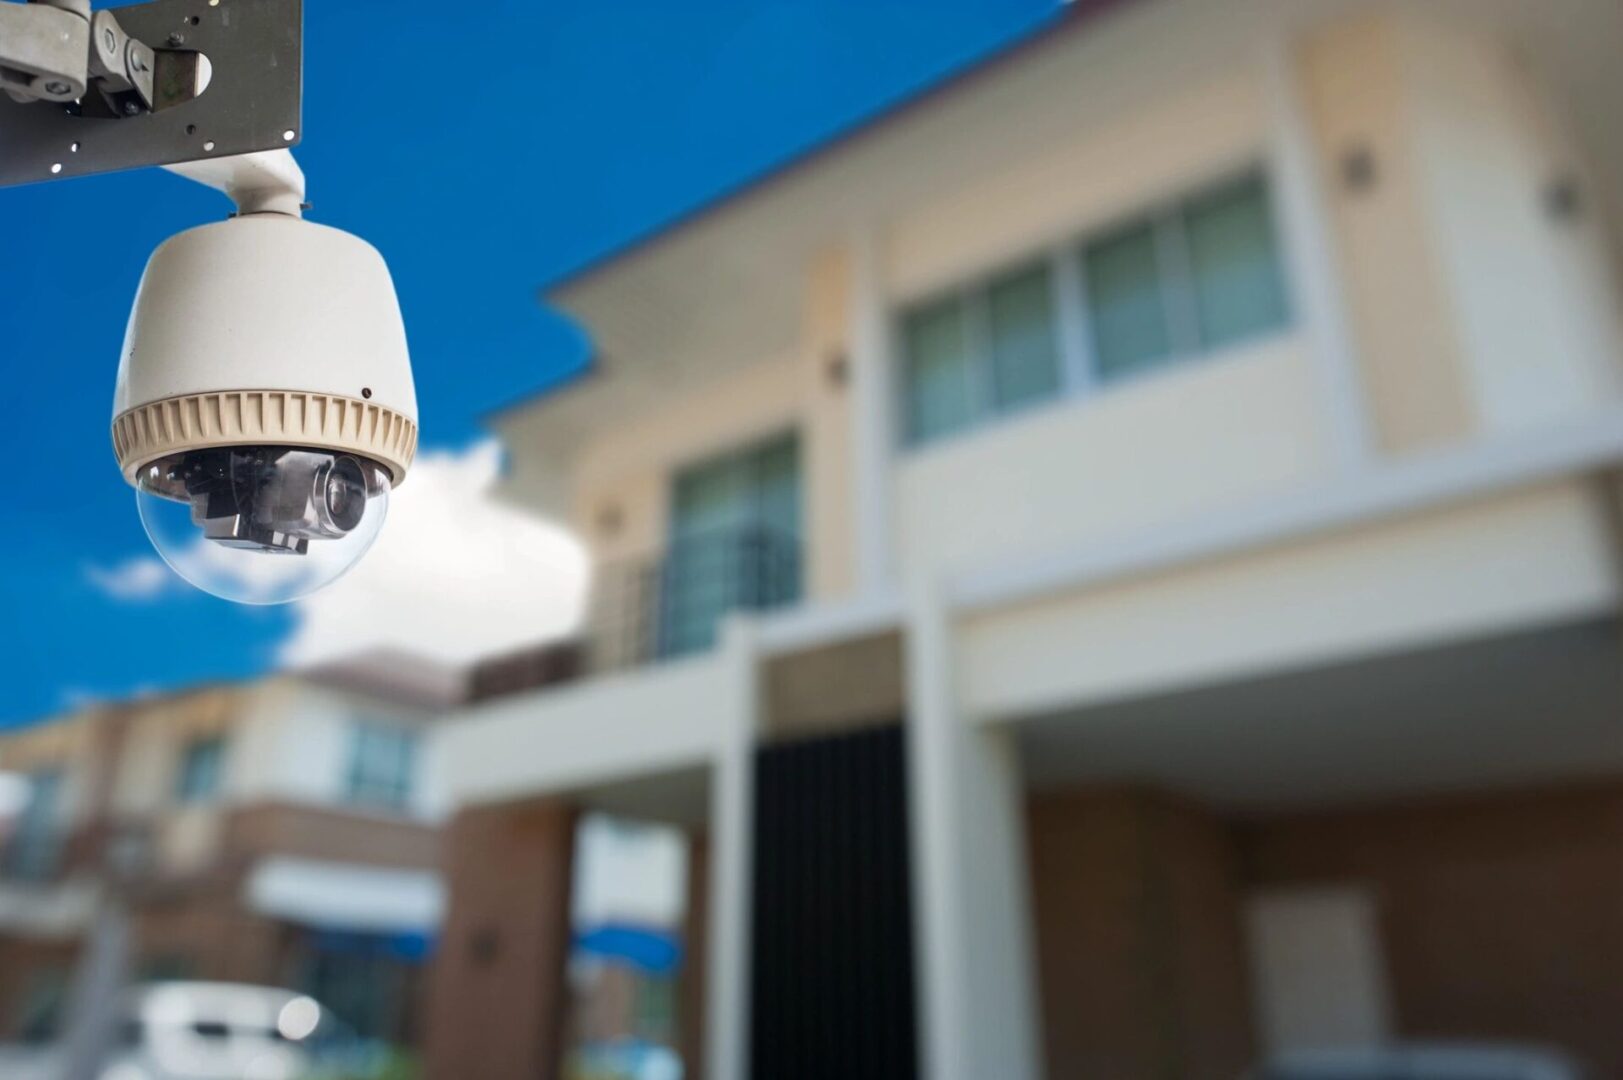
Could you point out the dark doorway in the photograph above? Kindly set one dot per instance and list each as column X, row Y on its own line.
column 832, row 972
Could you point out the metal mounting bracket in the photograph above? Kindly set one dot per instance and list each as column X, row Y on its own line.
column 252, row 101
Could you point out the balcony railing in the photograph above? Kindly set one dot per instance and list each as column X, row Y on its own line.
column 656, row 609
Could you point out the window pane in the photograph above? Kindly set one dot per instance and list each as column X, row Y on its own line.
column 1126, row 302
column 775, row 470
column 200, row 770
column 937, row 371
column 1239, row 289
column 1025, row 360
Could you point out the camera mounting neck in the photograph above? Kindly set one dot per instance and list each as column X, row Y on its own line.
column 266, row 182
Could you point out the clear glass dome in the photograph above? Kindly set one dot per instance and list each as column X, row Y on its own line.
column 262, row 524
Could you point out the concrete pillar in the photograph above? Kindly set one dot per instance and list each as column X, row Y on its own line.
column 977, row 995
column 498, row 1001
column 732, row 796
column 872, row 409
column 1313, row 274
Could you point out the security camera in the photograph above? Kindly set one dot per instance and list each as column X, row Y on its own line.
column 264, row 406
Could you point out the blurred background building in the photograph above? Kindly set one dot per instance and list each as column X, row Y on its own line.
column 1112, row 568
column 281, row 833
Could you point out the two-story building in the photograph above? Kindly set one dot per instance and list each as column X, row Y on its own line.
column 1116, row 563
column 283, row 832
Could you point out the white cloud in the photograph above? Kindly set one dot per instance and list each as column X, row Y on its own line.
column 75, row 698
column 143, row 577
column 454, row 576
column 14, row 792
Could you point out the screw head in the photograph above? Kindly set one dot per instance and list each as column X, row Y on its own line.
column 177, row 38
column 57, row 87
column 131, row 108
column 109, row 39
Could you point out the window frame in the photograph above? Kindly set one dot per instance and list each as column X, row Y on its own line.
column 1076, row 356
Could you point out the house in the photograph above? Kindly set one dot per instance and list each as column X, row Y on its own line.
column 283, row 832
column 1113, row 563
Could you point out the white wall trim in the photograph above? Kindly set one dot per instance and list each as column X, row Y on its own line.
column 1405, row 486
column 973, row 954
column 813, row 625
column 872, row 439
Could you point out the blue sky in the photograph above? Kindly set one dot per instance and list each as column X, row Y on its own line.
column 610, row 119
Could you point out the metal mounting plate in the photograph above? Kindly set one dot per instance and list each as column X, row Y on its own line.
column 255, row 48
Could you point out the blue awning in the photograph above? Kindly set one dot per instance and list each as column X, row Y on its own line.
column 657, row 952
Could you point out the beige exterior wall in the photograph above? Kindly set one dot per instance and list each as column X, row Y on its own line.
column 1401, row 321
column 623, row 476
column 1157, row 149
column 1534, row 294
column 827, row 452
column 1216, row 431
column 1474, row 309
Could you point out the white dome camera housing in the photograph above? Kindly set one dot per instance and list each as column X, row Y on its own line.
column 264, row 407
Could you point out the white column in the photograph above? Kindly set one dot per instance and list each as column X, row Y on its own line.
column 975, row 972
column 872, row 436
column 732, row 832
column 1312, row 268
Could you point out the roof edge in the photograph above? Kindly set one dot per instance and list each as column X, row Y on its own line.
column 1073, row 14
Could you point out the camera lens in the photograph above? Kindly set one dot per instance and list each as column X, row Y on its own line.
column 215, row 514
column 345, row 493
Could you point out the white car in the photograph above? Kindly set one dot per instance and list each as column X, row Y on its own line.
column 212, row 1031
column 1423, row 1061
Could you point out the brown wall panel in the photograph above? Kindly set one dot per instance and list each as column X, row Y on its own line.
column 1140, row 956
column 497, row 1004
column 1501, row 916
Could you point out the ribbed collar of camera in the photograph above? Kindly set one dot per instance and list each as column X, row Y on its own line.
column 174, row 425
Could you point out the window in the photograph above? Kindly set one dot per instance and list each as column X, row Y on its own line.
column 1193, row 275
column 200, row 762
column 1199, row 275
column 991, row 349
column 381, row 763
column 735, row 542
column 36, row 841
